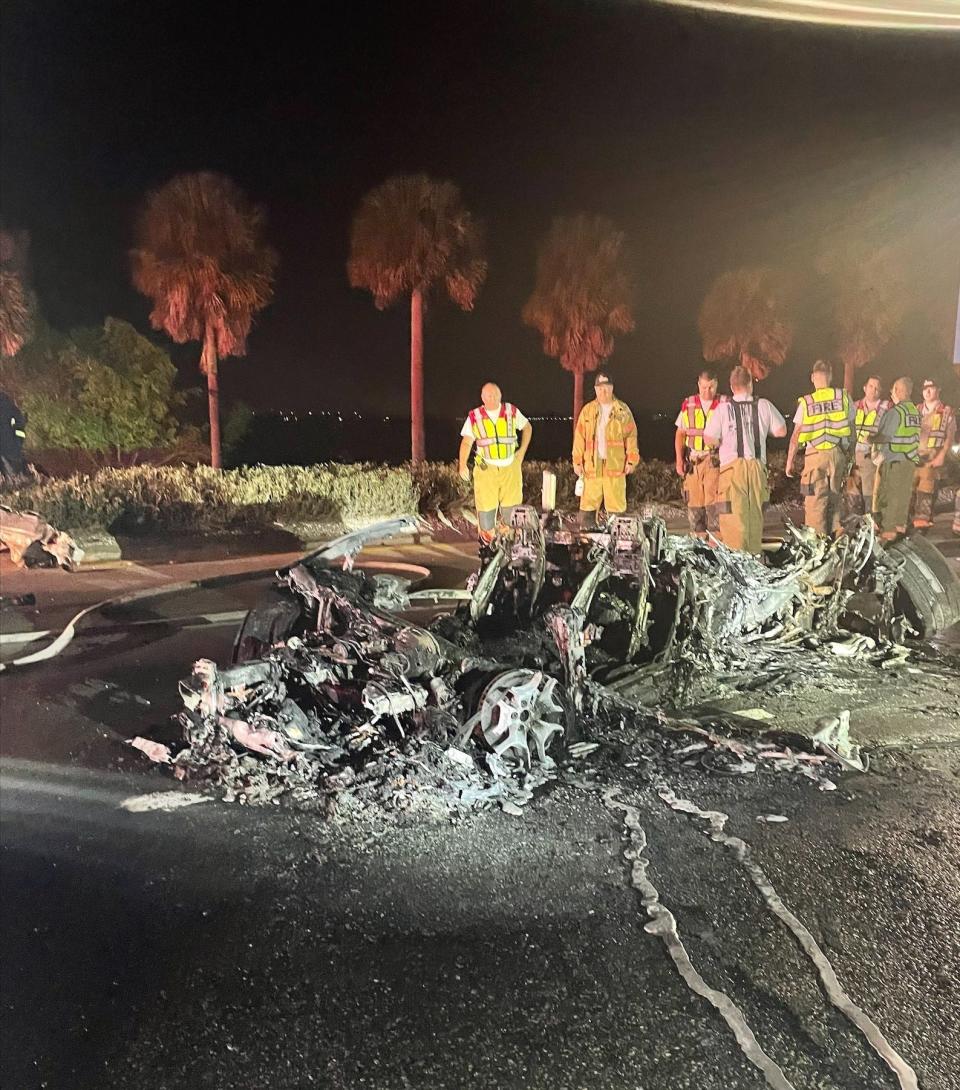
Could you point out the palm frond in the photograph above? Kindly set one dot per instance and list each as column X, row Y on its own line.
column 413, row 232
column 747, row 316
column 202, row 259
column 582, row 295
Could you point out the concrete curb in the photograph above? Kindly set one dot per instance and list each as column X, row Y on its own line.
column 312, row 535
column 98, row 545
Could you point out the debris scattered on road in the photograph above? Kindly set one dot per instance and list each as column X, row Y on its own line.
column 156, row 751
column 564, row 640
column 833, row 737
column 34, row 543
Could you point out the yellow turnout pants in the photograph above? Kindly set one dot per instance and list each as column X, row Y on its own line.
column 496, row 487
column 925, row 481
column 821, row 485
column 610, row 491
column 700, row 492
column 742, row 493
column 860, row 484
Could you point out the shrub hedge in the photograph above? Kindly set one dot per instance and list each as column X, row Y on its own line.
column 181, row 498
column 200, row 499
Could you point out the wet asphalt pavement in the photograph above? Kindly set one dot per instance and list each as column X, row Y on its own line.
column 226, row 947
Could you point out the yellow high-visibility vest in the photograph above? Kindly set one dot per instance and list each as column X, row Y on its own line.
column 496, row 438
column 906, row 438
column 868, row 420
column 826, row 418
column 694, row 420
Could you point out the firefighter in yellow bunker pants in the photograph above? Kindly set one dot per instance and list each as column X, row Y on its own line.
column 823, row 426
column 604, row 452
column 501, row 434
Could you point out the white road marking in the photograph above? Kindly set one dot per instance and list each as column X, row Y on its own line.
column 198, row 620
column 165, row 801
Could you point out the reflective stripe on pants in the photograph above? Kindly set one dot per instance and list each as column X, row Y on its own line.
column 741, row 496
column 821, row 485
column 860, row 484
column 700, row 493
column 496, row 486
column 925, row 481
column 610, row 491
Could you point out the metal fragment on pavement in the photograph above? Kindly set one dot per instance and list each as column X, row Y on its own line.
column 156, row 751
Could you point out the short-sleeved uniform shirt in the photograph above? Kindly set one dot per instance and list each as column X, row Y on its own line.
column 467, row 432
column 722, row 427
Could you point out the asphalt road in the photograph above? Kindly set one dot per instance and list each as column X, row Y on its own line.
column 225, row 947
column 221, row 947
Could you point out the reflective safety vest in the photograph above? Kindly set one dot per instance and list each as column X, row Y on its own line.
column 495, row 438
column 869, row 419
column 933, row 427
column 906, row 438
column 694, row 420
column 826, row 418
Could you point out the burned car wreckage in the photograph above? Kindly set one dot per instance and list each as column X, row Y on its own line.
column 563, row 636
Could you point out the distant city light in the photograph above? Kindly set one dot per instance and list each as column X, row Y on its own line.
column 879, row 14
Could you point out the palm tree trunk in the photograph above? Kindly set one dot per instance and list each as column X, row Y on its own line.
column 418, row 452
column 208, row 364
column 577, row 396
column 848, row 375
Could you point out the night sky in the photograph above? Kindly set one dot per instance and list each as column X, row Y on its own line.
column 711, row 140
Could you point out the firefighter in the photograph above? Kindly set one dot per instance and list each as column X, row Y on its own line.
column 823, row 426
column 869, row 412
column 604, row 451
column 740, row 428
column 697, row 465
column 896, row 439
column 13, row 424
column 496, row 427
column 938, row 426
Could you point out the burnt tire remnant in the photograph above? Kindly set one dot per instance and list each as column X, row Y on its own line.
column 561, row 638
column 929, row 588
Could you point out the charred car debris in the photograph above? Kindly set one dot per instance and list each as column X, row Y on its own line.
column 565, row 642
column 33, row 543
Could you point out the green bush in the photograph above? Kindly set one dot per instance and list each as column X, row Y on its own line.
column 201, row 499
column 180, row 498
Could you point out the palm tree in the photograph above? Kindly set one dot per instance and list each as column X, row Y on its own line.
column 867, row 303
column 581, row 296
column 16, row 301
column 410, row 234
column 747, row 318
column 202, row 260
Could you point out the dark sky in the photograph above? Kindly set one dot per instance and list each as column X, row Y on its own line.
column 712, row 140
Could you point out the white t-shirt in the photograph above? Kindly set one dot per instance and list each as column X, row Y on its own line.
column 722, row 426
column 467, row 432
column 602, row 422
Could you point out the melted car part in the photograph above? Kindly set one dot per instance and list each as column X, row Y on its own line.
column 34, row 543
